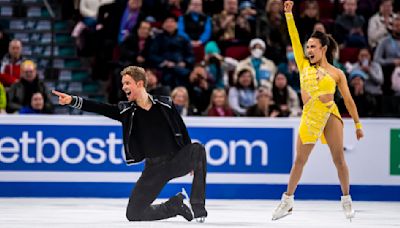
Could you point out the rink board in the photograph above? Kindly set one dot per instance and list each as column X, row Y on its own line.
column 248, row 158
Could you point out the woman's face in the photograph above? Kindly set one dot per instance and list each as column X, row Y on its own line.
column 315, row 51
column 245, row 79
column 219, row 99
column 364, row 55
column 37, row 101
column 280, row 81
column 179, row 98
column 311, row 10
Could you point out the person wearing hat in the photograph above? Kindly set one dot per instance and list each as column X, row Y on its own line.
column 218, row 66
column 262, row 68
column 366, row 102
column 246, row 22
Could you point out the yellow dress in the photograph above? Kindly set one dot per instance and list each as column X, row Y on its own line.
column 315, row 112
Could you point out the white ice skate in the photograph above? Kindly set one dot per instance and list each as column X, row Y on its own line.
column 347, row 207
column 284, row 208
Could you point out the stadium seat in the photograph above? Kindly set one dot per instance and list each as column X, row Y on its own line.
column 348, row 54
column 237, row 52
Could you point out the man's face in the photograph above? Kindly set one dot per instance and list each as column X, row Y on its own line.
column 28, row 72
column 15, row 49
column 169, row 25
column 231, row 6
column 131, row 88
column 196, row 6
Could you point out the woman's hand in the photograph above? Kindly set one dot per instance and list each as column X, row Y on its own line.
column 359, row 134
column 288, row 5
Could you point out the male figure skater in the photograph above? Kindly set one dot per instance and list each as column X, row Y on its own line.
column 153, row 131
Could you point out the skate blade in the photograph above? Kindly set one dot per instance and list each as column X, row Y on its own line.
column 201, row 219
column 186, row 201
column 277, row 218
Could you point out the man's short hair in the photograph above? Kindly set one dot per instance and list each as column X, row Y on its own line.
column 28, row 63
column 137, row 73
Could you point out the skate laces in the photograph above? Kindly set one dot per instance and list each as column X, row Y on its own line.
column 282, row 206
column 347, row 206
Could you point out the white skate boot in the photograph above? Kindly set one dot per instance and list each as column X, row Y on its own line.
column 284, row 208
column 347, row 207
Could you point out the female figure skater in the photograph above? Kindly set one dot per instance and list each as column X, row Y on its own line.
column 320, row 118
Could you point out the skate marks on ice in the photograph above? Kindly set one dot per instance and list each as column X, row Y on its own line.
column 82, row 212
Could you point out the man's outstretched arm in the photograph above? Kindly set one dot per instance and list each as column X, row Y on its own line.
column 110, row 111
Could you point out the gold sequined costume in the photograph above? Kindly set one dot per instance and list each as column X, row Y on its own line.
column 315, row 81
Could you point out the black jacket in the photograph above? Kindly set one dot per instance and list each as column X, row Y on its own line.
column 124, row 112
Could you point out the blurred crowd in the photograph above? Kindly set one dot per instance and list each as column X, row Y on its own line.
column 222, row 57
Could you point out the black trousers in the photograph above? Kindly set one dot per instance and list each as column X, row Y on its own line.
column 156, row 175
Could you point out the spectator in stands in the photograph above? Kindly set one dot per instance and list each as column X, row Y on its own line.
column 365, row 102
column 349, row 26
column 290, row 70
column 3, row 99
column 171, row 7
column 219, row 105
column 278, row 37
column 262, row 68
column 224, row 24
column 218, row 66
column 246, row 22
column 243, row 94
column 396, row 82
column 10, row 64
column 115, row 22
column 180, row 98
column 135, row 49
column 4, row 42
column 285, row 98
column 373, row 71
column 153, row 86
column 88, row 10
column 264, row 106
column 200, row 88
column 308, row 18
column 380, row 24
column 319, row 26
column 20, row 93
column 195, row 26
column 387, row 54
column 172, row 54
column 36, row 106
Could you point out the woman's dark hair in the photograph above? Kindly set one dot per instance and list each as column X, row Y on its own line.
column 279, row 96
column 240, row 74
column 327, row 40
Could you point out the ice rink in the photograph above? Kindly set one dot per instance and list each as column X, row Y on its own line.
column 83, row 212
